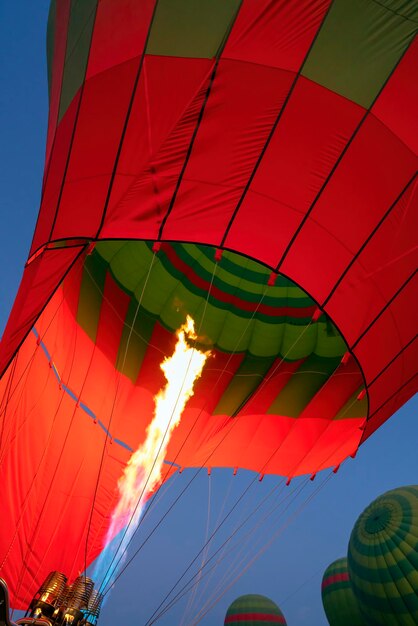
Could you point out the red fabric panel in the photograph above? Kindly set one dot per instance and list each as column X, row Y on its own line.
column 219, row 371
column 385, row 263
column 363, row 191
column 402, row 369
column 335, row 392
column 337, row 441
column 310, row 136
column 54, row 179
column 39, row 281
column 241, row 110
column 270, row 443
column 60, row 45
column 164, row 113
column 398, row 103
column 120, row 33
column 99, row 126
column 277, row 34
column 274, row 381
column 390, row 406
column 392, row 330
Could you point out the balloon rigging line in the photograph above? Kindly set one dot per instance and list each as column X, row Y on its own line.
column 306, row 481
column 62, row 451
column 215, row 532
column 308, row 580
column 204, row 555
column 221, row 549
column 242, row 555
column 202, row 408
column 218, row 519
column 208, row 457
column 238, row 555
column 119, row 317
column 295, row 491
column 261, row 552
column 132, row 517
column 112, row 411
column 330, row 474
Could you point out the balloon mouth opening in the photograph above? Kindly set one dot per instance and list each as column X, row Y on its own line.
column 378, row 521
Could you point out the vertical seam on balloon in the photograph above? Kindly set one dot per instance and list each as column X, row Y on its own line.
column 395, row 393
column 410, row 342
column 387, row 305
column 340, row 158
column 43, row 308
column 35, row 529
column 52, row 145
column 56, row 127
column 127, row 120
column 368, row 239
column 199, row 120
column 6, row 396
column 67, row 162
column 26, row 370
column 273, row 128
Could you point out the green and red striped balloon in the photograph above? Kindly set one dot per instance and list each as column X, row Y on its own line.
column 340, row 604
column 253, row 610
column 383, row 559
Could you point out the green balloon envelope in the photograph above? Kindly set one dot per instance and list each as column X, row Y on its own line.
column 340, row 604
column 253, row 610
column 383, row 559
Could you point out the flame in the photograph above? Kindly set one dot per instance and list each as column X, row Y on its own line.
column 143, row 472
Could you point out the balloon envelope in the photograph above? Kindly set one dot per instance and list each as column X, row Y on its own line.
column 243, row 162
column 253, row 609
column 340, row 604
column 383, row 558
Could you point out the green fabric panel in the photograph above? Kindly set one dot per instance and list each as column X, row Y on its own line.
column 303, row 385
column 80, row 30
column 131, row 355
column 50, row 40
column 247, row 379
column 91, row 294
column 358, row 46
column 239, row 279
column 406, row 8
column 245, row 267
column 353, row 407
column 169, row 295
column 191, row 28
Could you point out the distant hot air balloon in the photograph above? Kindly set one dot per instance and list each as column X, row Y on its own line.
column 340, row 605
column 252, row 610
column 383, row 559
column 251, row 164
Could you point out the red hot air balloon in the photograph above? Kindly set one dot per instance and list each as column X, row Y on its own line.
column 251, row 164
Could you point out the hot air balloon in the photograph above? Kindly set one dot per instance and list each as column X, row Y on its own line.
column 253, row 609
column 383, row 559
column 242, row 163
column 340, row 604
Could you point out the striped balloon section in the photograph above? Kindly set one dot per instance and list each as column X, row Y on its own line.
column 253, row 610
column 340, row 604
column 383, row 559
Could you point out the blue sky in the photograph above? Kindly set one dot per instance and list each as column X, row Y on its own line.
column 290, row 570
